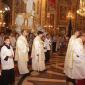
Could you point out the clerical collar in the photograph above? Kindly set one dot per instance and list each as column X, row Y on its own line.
column 8, row 46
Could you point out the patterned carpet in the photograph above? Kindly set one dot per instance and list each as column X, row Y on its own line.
column 53, row 76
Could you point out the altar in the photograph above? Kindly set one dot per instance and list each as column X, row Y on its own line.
column 28, row 14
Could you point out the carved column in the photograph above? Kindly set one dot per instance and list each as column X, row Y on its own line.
column 43, row 12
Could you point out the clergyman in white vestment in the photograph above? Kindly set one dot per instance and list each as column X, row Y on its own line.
column 68, row 58
column 38, row 55
column 77, row 70
column 69, row 54
column 21, row 54
column 78, row 67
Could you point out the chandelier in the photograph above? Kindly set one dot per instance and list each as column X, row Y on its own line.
column 81, row 10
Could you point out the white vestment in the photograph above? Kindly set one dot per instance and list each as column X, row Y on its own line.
column 38, row 56
column 21, row 54
column 68, row 58
column 76, row 68
column 9, row 64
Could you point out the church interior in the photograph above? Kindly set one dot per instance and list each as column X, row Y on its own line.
column 57, row 18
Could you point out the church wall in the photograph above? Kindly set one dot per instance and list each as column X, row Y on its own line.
column 63, row 8
column 58, row 14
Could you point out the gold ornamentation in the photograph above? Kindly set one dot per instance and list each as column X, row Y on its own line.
column 81, row 10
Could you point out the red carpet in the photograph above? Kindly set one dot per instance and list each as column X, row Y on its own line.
column 81, row 82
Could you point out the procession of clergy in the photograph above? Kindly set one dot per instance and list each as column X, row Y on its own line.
column 40, row 54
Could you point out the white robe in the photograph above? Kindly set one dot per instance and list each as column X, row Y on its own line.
column 68, row 58
column 38, row 55
column 9, row 64
column 76, row 69
column 21, row 54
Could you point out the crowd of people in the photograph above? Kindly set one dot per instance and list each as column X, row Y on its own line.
column 37, row 49
column 22, row 49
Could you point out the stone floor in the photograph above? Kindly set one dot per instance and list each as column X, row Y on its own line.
column 53, row 76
